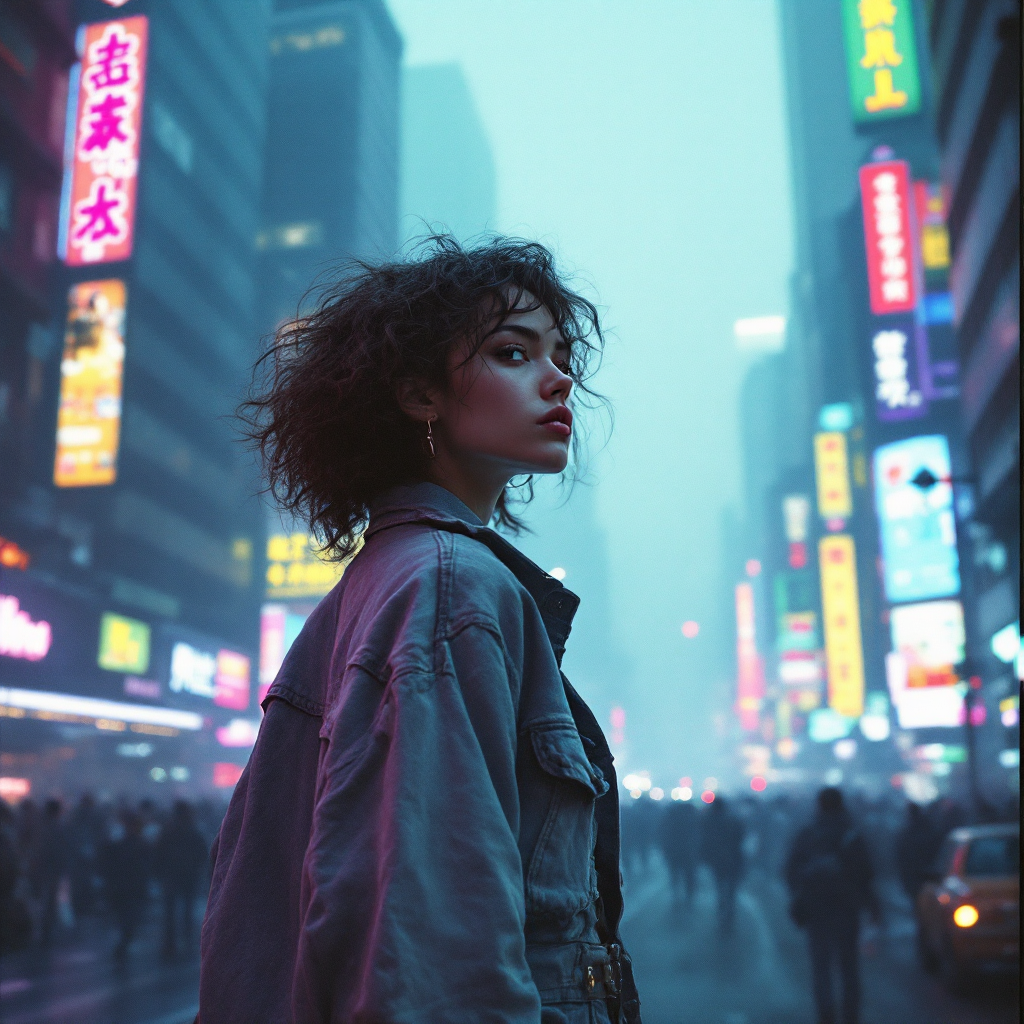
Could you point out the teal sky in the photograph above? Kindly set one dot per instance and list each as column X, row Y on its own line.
column 645, row 143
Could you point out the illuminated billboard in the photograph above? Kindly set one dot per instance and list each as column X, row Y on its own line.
column 922, row 707
column 750, row 684
column 918, row 531
column 888, row 240
column 192, row 670
column 105, row 118
column 21, row 636
column 881, row 59
column 296, row 569
column 91, row 370
column 930, row 206
column 931, row 639
column 124, row 644
column 231, row 681
column 832, row 471
column 841, row 612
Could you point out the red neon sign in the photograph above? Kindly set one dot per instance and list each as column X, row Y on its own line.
column 100, row 212
column 885, row 201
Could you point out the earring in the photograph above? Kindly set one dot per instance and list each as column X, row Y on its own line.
column 430, row 439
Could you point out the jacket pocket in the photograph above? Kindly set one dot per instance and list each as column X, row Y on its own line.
column 561, row 879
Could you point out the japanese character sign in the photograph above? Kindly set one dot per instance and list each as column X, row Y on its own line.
column 831, row 467
column 889, row 242
column 881, row 58
column 840, row 605
column 98, row 201
column 894, row 351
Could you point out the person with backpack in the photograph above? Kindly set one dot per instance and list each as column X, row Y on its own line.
column 831, row 882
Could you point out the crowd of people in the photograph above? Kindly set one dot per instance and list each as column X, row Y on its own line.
column 60, row 869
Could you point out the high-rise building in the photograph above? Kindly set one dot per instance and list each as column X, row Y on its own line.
column 332, row 146
column 447, row 171
column 137, row 618
column 976, row 50
column 36, row 51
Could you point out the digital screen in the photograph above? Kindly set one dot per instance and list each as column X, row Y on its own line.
column 918, row 531
column 124, row 644
column 881, row 59
column 231, row 681
column 192, row 670
column 921, row 707
column 931, row 639
column 841, row 611
column 750, row 686
column 105, row 114
column 91, row 369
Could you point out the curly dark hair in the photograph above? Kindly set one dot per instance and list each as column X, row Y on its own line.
column 323, row 411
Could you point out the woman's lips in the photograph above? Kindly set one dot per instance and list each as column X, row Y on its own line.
column 558, row 427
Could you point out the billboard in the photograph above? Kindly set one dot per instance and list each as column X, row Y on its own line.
column 105, row 126
column 21, row 636
column 231, row 681
column 91, row 370
column 931, row 640
column 831, row 468
column 841, row 612
column 888, row 240
column 750, row 669
column 881, row 59
column 124, row 644
column 922, row 707
column 918, row 531
column 930, row 207
column 296, row 570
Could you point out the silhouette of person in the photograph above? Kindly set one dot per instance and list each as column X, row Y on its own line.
column 830, row 877
column 679, row 844
column 124, row 864
column 722, row 851
column 179, row 861
column 48, row 864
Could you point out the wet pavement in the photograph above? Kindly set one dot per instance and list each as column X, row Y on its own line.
column 688, row 972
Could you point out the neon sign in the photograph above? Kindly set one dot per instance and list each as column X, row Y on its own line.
column 20, row 637
column 885, row 201
column 98, row 201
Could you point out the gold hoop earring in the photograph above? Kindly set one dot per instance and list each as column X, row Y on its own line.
column 430, row 439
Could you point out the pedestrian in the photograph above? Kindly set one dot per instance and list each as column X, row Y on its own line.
column 125, row 868
column 15, row 918
column 831, row 882
column 427, row 828
column 722, row 835
column 179, row 860
column 47, row 866
column 84, row 841
column 915, row 850
column 680, row 847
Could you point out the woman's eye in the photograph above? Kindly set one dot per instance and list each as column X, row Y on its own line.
column 513, row 353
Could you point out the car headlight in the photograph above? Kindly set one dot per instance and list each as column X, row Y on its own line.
column 965, row 916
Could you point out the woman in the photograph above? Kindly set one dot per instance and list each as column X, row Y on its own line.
column 427, row 829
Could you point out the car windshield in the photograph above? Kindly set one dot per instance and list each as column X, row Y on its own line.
column 993, row 856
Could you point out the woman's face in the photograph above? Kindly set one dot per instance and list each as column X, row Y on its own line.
column 507, row 412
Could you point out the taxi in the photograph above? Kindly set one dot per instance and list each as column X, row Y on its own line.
column 968, row 910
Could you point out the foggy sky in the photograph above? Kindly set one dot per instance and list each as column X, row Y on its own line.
column 645, row 143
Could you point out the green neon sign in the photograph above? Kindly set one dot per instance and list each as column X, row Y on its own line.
column 881, row 59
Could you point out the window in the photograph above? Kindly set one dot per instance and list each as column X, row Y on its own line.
column 993, row 857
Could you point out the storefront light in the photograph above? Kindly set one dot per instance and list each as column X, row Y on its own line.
column 106, row 711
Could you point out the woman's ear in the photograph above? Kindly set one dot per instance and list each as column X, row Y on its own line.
column 417, row 401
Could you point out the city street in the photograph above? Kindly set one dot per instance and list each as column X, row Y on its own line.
column 688, row 973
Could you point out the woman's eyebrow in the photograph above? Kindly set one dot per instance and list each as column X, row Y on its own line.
column 531, row 334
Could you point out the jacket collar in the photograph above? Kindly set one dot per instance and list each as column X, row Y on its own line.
column 432, row 505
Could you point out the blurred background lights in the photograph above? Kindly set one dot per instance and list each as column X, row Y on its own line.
column 711, row 782
column 558, row 572
column 686, row 782
column 682, row 793
column 707, row 796
column 758, row 784
column 762, row 334
column 845, row 749
column 157, row 774
column 637, row 780
column 657, row 793
column 179, row 774
column 690, row 629
column 753, row 567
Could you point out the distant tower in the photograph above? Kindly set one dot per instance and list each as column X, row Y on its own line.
column 448, row 177
column 331, row 183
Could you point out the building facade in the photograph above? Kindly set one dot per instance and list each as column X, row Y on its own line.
column 143, row 586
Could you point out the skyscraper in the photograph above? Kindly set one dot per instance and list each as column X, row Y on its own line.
column 448, row 179
column 332, row 151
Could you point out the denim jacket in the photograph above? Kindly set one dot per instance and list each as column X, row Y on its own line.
column 427, row 829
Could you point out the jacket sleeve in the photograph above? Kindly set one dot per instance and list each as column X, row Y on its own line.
column 413, row 905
